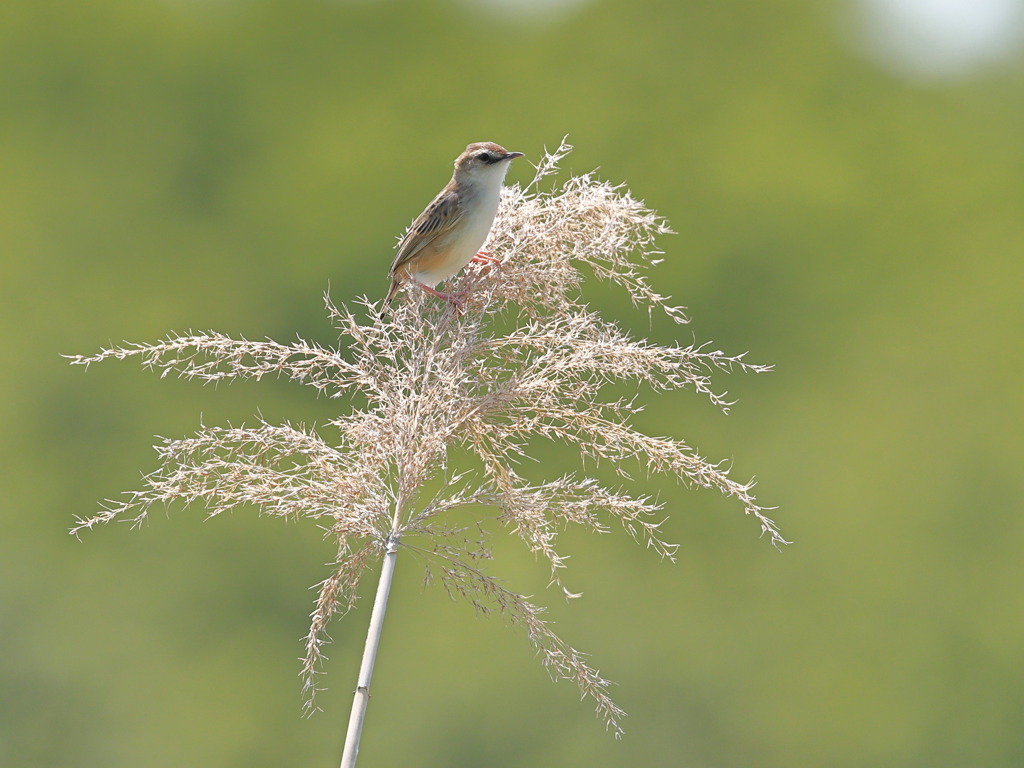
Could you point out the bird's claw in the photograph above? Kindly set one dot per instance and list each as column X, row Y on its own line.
column 454, row 299
column 456, row 302
column 484, row 257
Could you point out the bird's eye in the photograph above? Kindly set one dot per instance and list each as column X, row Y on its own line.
column 484, row 156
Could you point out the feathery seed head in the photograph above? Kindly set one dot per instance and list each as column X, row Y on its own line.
column 527, row 359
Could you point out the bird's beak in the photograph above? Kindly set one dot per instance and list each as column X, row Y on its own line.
column 512, row 155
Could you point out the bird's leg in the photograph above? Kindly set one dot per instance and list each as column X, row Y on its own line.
column 455, row 299
column 484, row 257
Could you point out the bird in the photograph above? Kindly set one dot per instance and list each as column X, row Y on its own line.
column 453, row 227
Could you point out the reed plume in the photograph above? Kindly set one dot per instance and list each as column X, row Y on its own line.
column 441, row 408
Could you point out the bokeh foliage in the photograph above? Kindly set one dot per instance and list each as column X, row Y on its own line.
column 175, row 164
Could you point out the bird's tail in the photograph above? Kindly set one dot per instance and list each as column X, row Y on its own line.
column 395, row 285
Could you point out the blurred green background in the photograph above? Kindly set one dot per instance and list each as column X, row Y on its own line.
column 849, row 209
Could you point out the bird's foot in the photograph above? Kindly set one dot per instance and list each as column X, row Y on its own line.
column 454, row 299
column 484, row 257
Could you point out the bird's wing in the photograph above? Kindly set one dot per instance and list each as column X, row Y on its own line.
column 439, row 217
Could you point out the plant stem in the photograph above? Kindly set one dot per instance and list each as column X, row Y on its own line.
column 362, row 694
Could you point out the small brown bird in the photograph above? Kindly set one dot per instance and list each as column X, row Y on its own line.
column 453, row 228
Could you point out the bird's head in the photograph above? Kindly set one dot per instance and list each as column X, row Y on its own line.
column 484, row 162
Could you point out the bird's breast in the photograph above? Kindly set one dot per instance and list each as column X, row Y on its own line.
column 450, row 252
